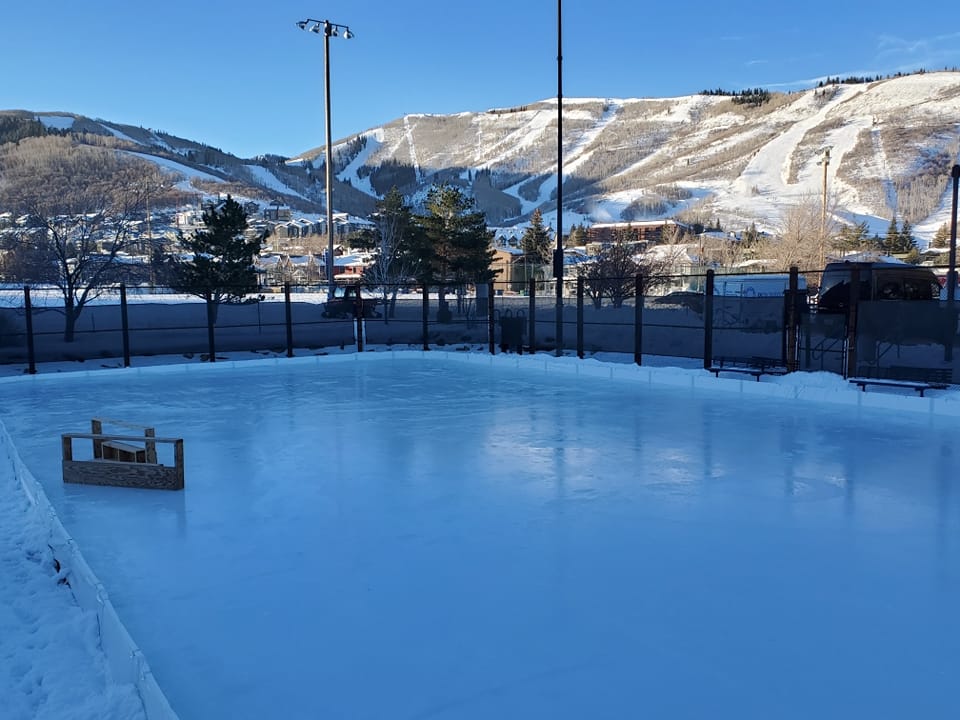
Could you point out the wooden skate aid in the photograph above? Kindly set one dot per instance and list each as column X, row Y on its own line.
column 123, row 460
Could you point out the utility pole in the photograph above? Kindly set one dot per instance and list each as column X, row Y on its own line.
column 558, row 251
column 823, row 205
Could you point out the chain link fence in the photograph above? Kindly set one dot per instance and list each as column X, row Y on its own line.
column 706, row 318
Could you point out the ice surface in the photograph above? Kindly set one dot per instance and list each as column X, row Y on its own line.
column 429, row 539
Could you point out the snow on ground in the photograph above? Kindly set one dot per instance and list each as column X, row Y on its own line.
column 374, row 141
column 173, row 166
column 57, row 122
column 266, row 178
column 51, row 663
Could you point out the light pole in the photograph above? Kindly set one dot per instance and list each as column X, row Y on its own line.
column 952, row 273
column 823, row 205
column 558, row 251
column 329, row 29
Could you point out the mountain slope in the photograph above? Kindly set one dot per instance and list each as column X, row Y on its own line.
column 703, row 157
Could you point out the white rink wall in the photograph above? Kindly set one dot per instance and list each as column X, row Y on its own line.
column 126, row 662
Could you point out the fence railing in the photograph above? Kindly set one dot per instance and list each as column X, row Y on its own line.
column 722, row 319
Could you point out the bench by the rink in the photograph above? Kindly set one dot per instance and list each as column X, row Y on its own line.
column 755, row 366
column 911, row 378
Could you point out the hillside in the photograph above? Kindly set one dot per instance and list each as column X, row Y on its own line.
column 703, row 157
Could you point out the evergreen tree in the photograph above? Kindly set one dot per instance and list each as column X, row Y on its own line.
column 535, row 242
column 453, row 246
column 577, row 236
column 905, row 241
column 221, row 269
column 892, row 239
column 853, row 238
column 941, row 239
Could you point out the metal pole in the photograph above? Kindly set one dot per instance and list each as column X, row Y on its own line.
column 952, row 273
column 326, row 106
column 31, row 353
column 580, row 317
column 425, row 315
column 288, row 311
column 491, row 325
column 125, row 324
column 638, row 321
column 823, row 208
column 532, row 313
column 708, row 321
column 558, row 252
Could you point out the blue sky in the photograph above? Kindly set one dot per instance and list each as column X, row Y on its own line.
column 242, row 77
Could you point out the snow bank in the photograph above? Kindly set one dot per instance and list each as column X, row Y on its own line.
column 126, row 662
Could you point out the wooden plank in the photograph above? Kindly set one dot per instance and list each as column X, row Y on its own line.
column 124, row 438
column 122, row 474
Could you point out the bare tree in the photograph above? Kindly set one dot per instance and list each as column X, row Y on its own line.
column 613, row 274
column 392, row 264
column 80, row 205
column 805, row 236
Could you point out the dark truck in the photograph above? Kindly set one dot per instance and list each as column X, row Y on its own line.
column 878, row 281
column 345, row 301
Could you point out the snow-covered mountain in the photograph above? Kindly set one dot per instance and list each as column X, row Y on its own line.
column 891, row 144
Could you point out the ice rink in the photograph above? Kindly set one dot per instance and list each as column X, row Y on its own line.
column 426, row 538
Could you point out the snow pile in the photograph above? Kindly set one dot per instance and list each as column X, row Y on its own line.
column 51, row 662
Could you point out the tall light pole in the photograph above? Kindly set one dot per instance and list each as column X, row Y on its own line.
column 952, row 273
column 558, row 252
column 823, row 205
column 329, row 29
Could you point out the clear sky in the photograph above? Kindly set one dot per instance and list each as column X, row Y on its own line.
column 241, row 76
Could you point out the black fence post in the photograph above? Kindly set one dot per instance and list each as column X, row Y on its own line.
column 426, row 315
column 211, row 341
column 638, row 321
column 792, row 336
column 580, row 317
column 288, row 310
column 532, row 314
column 491, row 327
column 708, row 321
column 124, row 325
column 31, row 353
column 850, row 367
column 358, row 317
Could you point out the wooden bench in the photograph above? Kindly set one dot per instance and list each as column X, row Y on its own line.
column 919, row 380
column 755, row 366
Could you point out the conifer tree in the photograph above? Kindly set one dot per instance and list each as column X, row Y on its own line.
column 535, row 242
column 892, row 239
column 453, row 246
column 221, row 269
column 941, row 238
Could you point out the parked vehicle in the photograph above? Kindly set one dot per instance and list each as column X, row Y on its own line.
column 756, row 285
column 345, row 302
column 878, row 281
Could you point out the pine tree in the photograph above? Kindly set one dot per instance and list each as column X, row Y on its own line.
column 905, row 241
column 453, row 246
column 853, row 238
column 892, row 239
column 577, row 236
column 221, row 269
column 941, row 238
column 535, row 242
